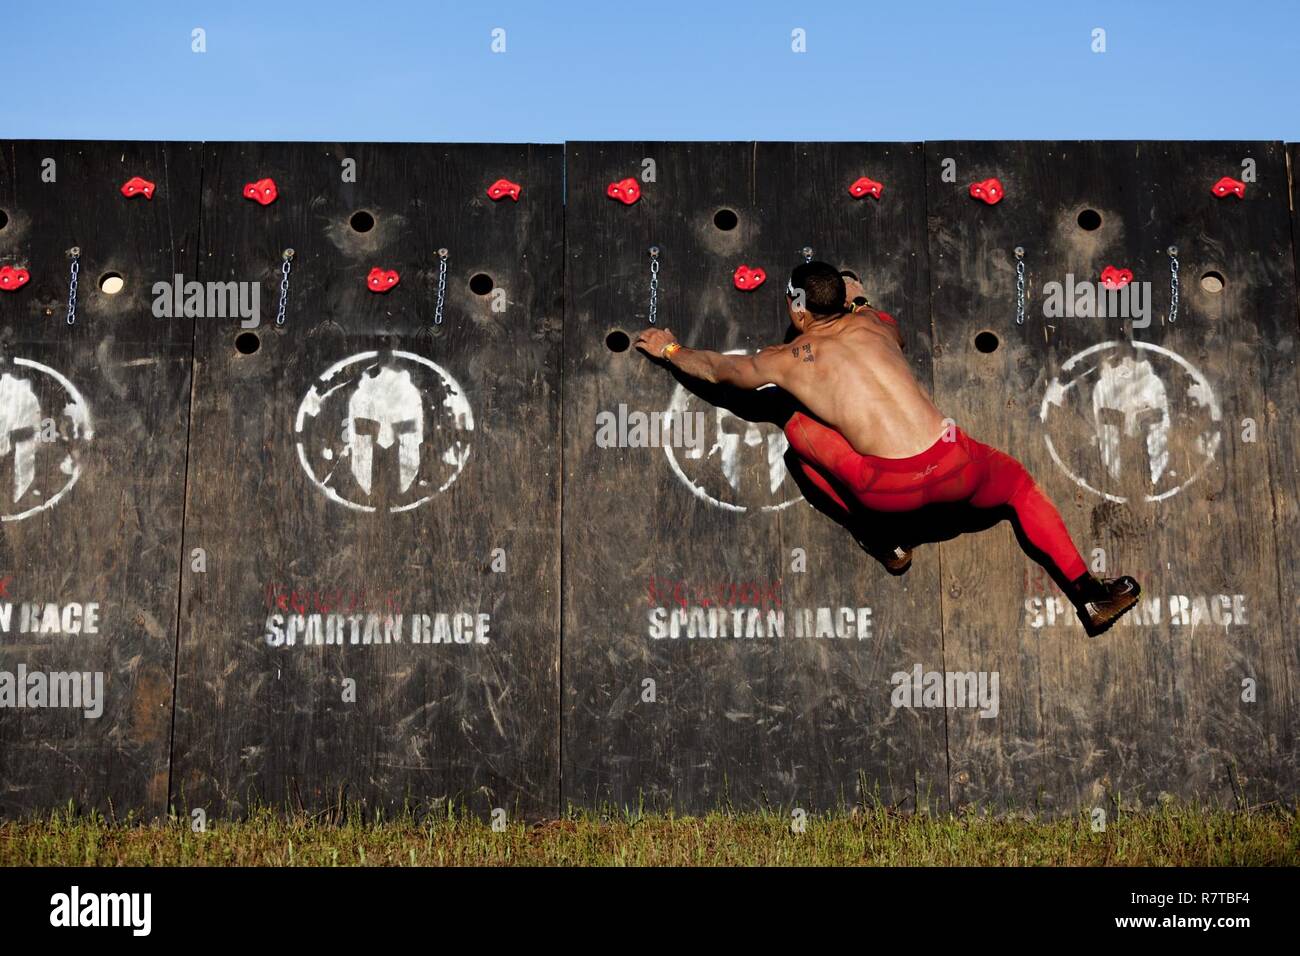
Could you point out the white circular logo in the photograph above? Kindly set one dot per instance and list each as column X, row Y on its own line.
column 739, row 465
column 384, row 431
column 1131, row 421
column 44, row 423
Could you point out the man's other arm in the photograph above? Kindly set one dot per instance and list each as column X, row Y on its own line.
column 765, row 367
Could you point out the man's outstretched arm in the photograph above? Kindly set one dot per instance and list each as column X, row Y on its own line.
column 741, row 371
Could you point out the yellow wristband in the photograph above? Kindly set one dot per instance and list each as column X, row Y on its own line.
column 671, row 348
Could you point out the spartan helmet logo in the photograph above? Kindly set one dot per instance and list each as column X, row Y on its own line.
column 744, row 467
column 374, row 408
column 1129, row 401
column 385, row 408
column 1131, row 421
column 20, row 426
column 44, row 423
column 741, row 445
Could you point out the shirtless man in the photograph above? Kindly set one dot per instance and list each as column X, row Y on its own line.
column 870, row 433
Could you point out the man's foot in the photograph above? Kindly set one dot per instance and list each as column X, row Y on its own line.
column 897, row 560
column 1105, row 601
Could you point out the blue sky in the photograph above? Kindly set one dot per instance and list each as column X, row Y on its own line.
column 649, row 69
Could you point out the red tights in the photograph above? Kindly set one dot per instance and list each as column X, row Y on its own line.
column 961, row 470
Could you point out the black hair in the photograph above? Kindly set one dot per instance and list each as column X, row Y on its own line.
column 822, row 285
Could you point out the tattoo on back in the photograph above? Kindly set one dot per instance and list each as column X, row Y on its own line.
column 806, row 349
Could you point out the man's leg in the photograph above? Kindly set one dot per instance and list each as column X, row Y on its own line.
column 893, row 556
column 969, row 471
column 824, row 485
column 1100, row 603
column 1008, row 483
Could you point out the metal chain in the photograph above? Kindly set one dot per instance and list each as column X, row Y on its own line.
column 75, row 254
column 1173, row 283
column 442, row 287
column 285, row 268
column 654, row 283
column 1020, row 285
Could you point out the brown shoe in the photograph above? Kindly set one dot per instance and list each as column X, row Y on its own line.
column 897, row 560
column 1113, row 598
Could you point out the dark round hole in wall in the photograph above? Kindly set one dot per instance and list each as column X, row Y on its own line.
column 362, row 221
column 1089, row 219
column 480, row 283
column 1212, row 282
column 617, row 341
column 986, row 342
column 4, row 218
column 246, row 343
column 726, row 219
column 111, row 283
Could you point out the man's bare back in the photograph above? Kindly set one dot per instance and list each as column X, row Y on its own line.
column 850, row 372
column 847, row 369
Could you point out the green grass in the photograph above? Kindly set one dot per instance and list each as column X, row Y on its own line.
column 1168, row 836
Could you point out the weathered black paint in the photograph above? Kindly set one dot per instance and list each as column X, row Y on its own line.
column 1144, row 710
column 115, row 536
column 783, row 720
column 472, row 723
column 1147, row 708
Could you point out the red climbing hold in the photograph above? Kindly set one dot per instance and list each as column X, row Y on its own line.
column 12, row 279
column 865, row 186
column 988, row 190
column 138, row 186
column 380, row 280
column 1227, row 186
column 263, row 191
column 1113, row 278
column 747, row 279
column 626, row 191
column 502, row 188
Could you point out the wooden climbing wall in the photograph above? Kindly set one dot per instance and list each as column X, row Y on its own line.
column 1166, row 441
column 1278, row 352
column 350, row 524
column 376, row 494
column 704, row 663
column 93, row 430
